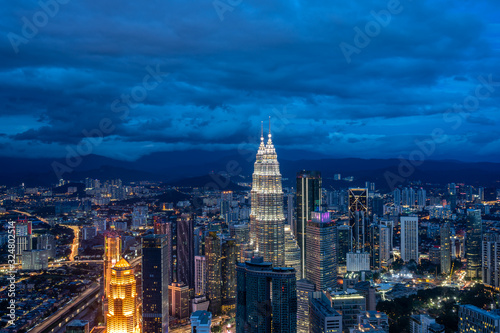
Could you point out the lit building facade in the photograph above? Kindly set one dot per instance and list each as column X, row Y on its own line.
column 473, row 243
column 321, row 266
column 122, row 310
column 445, row 249
column 358, row 218
column 292, row 250
column 304, row 288
column 409, row 238
column 185, row 250
column 475, row 320
column 200, row 275
column 308, row 200
column 322, row 317
column 266, row 216
column 213, row 255
column 491, row 259
column 155, row 276
column 112, row 254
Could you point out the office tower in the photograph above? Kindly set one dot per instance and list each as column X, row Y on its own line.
column 358, row 218
column 155, row 276
column 358, row 262
column 139, row 216
column 35, row 260
column 409, row 238
column 77, row 326
column 292, row 251
column 201, row 321
column 385, row 245
column 308, row 201
column 163, row 227
column 344, row 243
column 122, row 312
column 491, row 259
column 475, row 320
column 213, row 255
column 304, row 288
column 320, row 252
column 377, row 207
column 452, row 189
column 46, row 242
column 445, row 249
column 24, row 234
column 473, row 243
column 421, row 198
column 266, row 217
column 322, row 317
column 225, row 206
column 350, row 306
column 185, row 250
column 112, row 254
column 241, row 234
column 266, row 298
column 200, row 275
column 290, row 216
column 228, row 273
column 178, row 298
column 396, row 194
column 374, row 239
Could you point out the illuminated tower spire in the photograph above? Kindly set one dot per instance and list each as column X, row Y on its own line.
column 266, row 216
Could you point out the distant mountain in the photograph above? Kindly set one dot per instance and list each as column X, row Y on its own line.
column 184, row 167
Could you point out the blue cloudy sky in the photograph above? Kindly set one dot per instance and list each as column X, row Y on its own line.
column 225, row 65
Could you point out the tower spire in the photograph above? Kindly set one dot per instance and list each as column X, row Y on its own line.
column 261, row 131
column 269, row 126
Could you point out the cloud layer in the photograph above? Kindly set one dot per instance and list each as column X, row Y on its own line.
column 217, row 79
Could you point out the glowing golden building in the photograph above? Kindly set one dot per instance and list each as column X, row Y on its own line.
column 112, row 252
column 122, row 313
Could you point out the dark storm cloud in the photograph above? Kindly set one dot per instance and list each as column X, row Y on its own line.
column 278, row 58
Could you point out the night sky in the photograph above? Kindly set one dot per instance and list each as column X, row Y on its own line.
column 336, row 77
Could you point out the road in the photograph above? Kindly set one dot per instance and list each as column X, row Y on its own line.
column 76, row 241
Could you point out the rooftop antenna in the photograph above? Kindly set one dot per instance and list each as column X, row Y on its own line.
column 269, row 126
column 262, row 131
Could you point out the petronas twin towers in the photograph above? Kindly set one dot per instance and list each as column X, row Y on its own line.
column 266, row 216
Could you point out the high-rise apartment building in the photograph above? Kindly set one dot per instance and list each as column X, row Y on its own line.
column 122, row 309
column 200, row 275
column 385, row 245
column 308, row 201
column 24, row 234
column 445, row 248
column 491, row 259
column 409, row 238
column 344, row 243
column 228, row 273
column 473, row 243
column 266, row 298
column 320, row 252
column 213, row 255
column 155, row 276
column 178, row 298
column 266, row 216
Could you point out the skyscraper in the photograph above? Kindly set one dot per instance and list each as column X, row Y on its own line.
column 385, row 245
column 308, row 201
column 445, row 249
column 266, row 298
column 24, row 236
column 178, row 297
column 122, row 311
column 409, row 238
column 344, row 244
column 213, row 255
column 266, row 216
column 185, row 250
column 304, row 288
column 292, row 250
column 241, row 234
column 155, row 276
column 473, row 243
column 228, row 273
column 374, row 239
column 200, row 275
column 491, row 259
column 358, row 218
column 321, row 266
